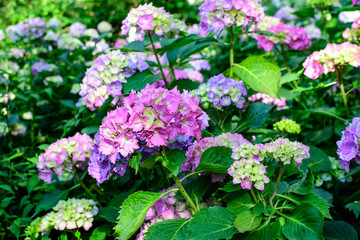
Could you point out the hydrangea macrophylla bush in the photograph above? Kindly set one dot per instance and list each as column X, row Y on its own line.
column 155, row 115
column 286, row 151
column 217, row 14
column 70, row 214
column 294, row 38
column 194, row 153
column 287, row 125
column 29, row 29
column 221, row 91
column 348, row 145
column 353, row 34
column 106, row 75
column 247, row 172
column 280, row 103
column 150, row 18
column 63, row 155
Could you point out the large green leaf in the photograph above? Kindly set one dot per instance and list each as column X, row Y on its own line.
column 355, row 207
column 212, row 224
column 173, row 229
column 196, row 188
column 263, row 233
column 216, row 159
column 305, row 185
column 317, row 155
column 133, row 212
column 135, row 46
column 258, row 113
column 50, row 200
column 314, row 200
column 259, row 74
column 339, row 230
column 240, row 204
column 100, row 233
column 175, row 159
column 289, row 77
column 247, row 221
column 109, row 213
column 139, row 81
column 306, row 222
column 184, row 84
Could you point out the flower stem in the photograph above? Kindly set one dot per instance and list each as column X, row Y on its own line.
column 231, row 51
column 253, row 195
column 185, row 194
column 157, row 59
column 189, row 175
column 277, row 184
column 83, row 185
column 339, row 73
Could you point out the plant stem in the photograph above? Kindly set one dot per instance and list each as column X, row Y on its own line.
column 253, row 195
column 282, row 51
column 185, row 194
column 83, row 185
column 157, row 59
column 231, row 51
column 277, row 184
column 164, row 175
column 339, row 73
column 189, row 175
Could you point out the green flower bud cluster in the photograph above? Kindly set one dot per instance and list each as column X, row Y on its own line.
column 287, row 125
column 323, row 2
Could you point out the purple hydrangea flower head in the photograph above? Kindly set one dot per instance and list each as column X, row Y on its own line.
column 150, row 18
column 106, row 75
column 217, row 14
column 156, row 115
column 221, row 91
column 286, row 14
column 295, row 38
column 332, row 56
column 29, row 29
column 63, row 155
column 70, row 214
column 42, row 66
column 194, row 153
column 348, row 145
column 77, row 29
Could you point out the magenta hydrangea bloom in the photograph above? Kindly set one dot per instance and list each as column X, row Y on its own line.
column 294, row 38
column 29, row 29
column 348, row 145
column 221, row 92
column 156, row 115
column 106, row 75
column 355, row 2
column 332, row 56
column 150, row 18
column 194, row 153
column 217, row 14
column 280, row 103
column 63, row 155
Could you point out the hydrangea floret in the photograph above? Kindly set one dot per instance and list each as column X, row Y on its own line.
column 348, row 145
column 330, row 59
column 217, row 14
column 33, row 230
column 154, row 115
column 70, row 214
column 294, row 38
column 150, row 18
column 287, row 125
column 106, row 76
column 221, row 92
column 63, row 155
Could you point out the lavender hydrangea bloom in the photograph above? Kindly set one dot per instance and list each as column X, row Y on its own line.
column 104, row 27
column 68, row 42
column 221, row 91
column 42, row 66
column 54, row 23
column 106, row 76
column 29, row 29
column 149, row 18
column 348, row 145
column 77, row 29
column 217, row 14
column 286, row 14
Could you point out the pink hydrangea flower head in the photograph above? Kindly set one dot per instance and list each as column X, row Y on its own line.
column 216, row 14
column 63, row 155
column 355, row 2
column 106, row 75
column 280, row 103
column 150, row 18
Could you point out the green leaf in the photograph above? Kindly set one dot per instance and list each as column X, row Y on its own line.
column 150, row 162
column 315, row 200
column 134, row 161
column 109, row 213
column 173, row 229
column 175, row 159
column 212, row 224
column 240, row 204
column 100, row 233
column 139, row 80
column 305, row 185
column 261, row 208
column 305, row 12
column 196, row 188
column 289, row 77
column 355, row 207
column 90, row 129
column 258, row 113
column 317, row 156
column 230, row 187
column 339, row 230
column 68, row 103
column 319, row 136
column 247, row 221
column 176, row 43
column 184, row 84
column 32, row 183
column 7, row 188
column 50, row 200
column 326, row 111
column 15, row 229
column 133, row 212
column 306, row 222
column 135, row 46
column 215, row 159
column 259, row 74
